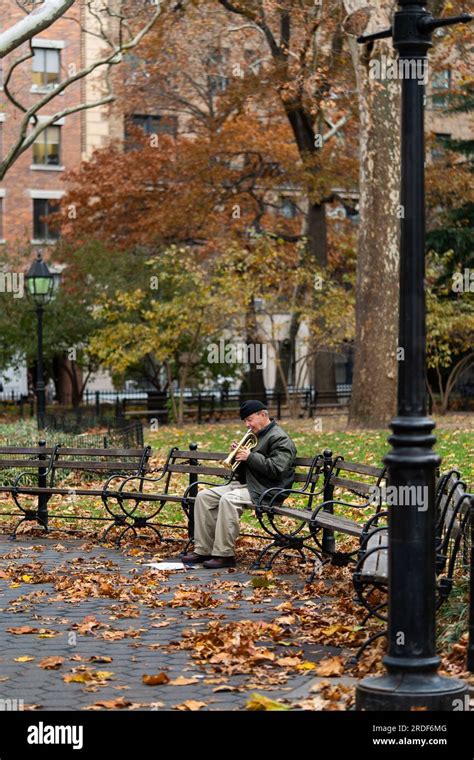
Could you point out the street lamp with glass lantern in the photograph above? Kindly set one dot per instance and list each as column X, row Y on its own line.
column 40, row 285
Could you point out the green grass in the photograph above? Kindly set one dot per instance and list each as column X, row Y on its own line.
column 454, row 446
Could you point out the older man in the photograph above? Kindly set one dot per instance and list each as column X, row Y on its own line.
column 217, row 510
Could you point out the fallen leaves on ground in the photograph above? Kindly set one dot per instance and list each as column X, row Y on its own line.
column 333, row 666
column 183, row 681
column 260, row 702
column 51, row 663
column 110, row 704
column 85, row 675
column 155, row 680
column 190, row 704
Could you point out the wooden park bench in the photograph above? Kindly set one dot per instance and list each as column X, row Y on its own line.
column 41, row 466
column 319, row 485
column 348, row 487
column 199, row 467
column 370, row 578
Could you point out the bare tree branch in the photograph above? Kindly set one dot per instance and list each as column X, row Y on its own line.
column 39, row 19
column 24, row 139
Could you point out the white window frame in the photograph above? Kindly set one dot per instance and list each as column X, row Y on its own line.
column 38, row 42
column 45, row 195
column 43, row 167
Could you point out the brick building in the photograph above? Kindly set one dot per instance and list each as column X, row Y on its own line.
column 32, row 186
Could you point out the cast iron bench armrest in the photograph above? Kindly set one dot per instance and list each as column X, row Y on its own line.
column 143, row 478
column 126, row 478
column 318, row 459
column 49, row 466
column 367, row 532
column 279, row 491
column 202, row 483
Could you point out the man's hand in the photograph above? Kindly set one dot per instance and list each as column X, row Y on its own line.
column 242, row 455
column 233, row 445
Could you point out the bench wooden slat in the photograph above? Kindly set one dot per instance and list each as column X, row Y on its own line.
column 219, row 456
column 222, row 472
column 65, row 451
column 337, row 523
column 30, row 450
column 361, row 469
column 36, row 491
column 129, row 495
column 352, row 485
column 323, row 519
column 204, row 455
column 6, row 463
column 197, row 470
column 74, row 465
column 376, row 564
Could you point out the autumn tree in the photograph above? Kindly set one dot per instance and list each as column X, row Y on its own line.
column 188, row 303
column 282, row 62
column 450, row 330
column 71, row 318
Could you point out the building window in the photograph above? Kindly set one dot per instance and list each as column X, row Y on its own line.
column 152, row 124
column 287, row 208
column 46, row 67
column 216, row 83
column 216, row 62
column 217, row 57
column 46, row 147
column 42, row 208
column 440, row 89
column 439, row 146
column 155, row 124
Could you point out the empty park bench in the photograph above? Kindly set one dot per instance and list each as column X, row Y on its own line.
column 42, row 466
column 348, row 488
column 453, row 504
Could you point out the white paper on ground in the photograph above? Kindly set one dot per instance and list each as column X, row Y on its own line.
column 166, row 565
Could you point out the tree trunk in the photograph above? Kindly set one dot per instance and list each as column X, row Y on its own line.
column 62, row 381
column 374, row 388
column 253, row 383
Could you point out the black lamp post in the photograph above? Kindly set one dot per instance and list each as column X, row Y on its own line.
column 411, row 660
column 39, row 287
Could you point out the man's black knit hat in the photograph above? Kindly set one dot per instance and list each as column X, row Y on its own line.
column 250, row 407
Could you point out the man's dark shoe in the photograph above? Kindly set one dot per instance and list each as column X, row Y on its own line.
column 217, row 562
column 194, row 559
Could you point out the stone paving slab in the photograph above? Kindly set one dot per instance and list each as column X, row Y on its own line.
column 28, row 604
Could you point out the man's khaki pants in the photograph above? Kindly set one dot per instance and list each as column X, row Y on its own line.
column 217, row 514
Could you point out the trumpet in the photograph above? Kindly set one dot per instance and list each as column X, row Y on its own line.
column 248, row 441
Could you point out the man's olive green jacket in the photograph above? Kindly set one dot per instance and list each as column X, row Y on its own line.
column 271, row 463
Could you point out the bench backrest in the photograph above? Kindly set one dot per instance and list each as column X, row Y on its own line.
column 51, row 459
column 357, row 478
column 102, row 460
column 201, row 464
column 452, row 511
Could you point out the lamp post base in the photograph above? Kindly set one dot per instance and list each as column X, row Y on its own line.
column 405, row 691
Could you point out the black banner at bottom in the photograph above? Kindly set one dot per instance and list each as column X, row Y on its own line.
column 83, row 734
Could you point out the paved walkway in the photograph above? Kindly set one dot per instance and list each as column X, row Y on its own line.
column 86, row 603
